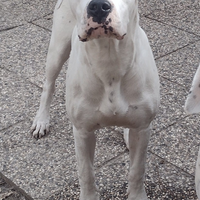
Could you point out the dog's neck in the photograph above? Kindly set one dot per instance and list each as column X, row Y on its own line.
column 109, row 57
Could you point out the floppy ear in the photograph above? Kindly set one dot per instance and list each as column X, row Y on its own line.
column 192, row 104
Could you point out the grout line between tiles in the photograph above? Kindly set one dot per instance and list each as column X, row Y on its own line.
column 170, row 163
column 151, row 18
column 9, row 182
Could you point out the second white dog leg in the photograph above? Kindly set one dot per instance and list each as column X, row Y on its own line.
column 85, row 148
column 126, row 137
column 138, row 142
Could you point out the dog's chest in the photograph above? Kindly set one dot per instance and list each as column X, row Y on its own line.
column 116, row 103
column 106, row 88
column 113, row 102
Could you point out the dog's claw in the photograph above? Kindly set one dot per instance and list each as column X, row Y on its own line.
column 39, row 129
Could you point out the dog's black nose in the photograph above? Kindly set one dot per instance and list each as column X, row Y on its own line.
column 99, row 10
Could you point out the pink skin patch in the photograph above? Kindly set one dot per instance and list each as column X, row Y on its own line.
column 94, row 30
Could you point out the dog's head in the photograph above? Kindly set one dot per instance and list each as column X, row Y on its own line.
column 103, row 18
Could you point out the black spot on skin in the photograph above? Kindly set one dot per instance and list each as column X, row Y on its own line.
column 199, row 84
column 113, row 79
column 89, row 32
column 110, row 28
column 134, row 107
column 194, row 96
column 105, row 29
column 98, row 124
column 110, row 20
column 110, row 83
column 112, row 93
column 82, row 40
column 110, row 100
column 104, row 26
column 107, row 22
column 190, row 91
column 88, row 24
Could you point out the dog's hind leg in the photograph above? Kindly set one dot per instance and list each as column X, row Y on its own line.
column 85, row 146
column 58, row 53
column 138, row 142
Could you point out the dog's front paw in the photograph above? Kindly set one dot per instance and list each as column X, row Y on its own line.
column 40, row 126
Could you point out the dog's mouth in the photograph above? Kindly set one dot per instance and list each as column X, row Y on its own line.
column 100, row 32
column 93, row 30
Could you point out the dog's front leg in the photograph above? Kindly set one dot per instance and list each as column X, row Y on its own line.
column 58, row 53
column 138, row 142
column 54, row 64
column 85, row 147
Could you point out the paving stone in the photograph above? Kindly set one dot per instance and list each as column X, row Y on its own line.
column 172, row 100
column 165, row 39
column 181, row 14
column 8, row 192
column 24, row 51
column 46, row 22
column 16, row 99
column 166, row 181
column 39, row 167
column 23, row 11
column 178, row 144
column 148, row 6
column 180, row 66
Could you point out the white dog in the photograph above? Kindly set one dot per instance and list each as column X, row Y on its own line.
column 192, row 105
column 112, row 80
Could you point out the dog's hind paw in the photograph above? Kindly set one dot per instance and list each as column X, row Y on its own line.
column 39, row 127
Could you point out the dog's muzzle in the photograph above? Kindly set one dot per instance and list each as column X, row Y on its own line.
column 100, row 20
column 99, row 10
